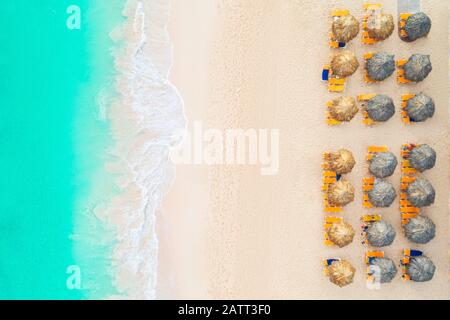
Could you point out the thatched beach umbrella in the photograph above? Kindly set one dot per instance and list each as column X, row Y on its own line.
column 380, row 66
column 341, row 234
column 417, row 26
column 341, row 273
column 420, row 230
column 420, row 193
column 380, row 108
column 341, row 162
column 418, row 67
column 420, row 269
column 345, row 28
column 343, row 109
column 344, row 64
column 385, row 268
column 380, row 26
column 422, row 157
column 420, row 108
column 341, row 193
column 380, row 234
column 383, row 164
column 383, row 194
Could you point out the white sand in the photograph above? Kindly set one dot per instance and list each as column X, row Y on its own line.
column 228, row 232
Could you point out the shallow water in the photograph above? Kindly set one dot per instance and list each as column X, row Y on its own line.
column 54, row 142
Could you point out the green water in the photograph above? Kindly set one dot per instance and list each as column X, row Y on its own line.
column 53, row 146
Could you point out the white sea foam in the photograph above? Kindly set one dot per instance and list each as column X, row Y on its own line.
column 147, row 120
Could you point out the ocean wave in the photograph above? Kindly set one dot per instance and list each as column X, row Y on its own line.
column 147, row 119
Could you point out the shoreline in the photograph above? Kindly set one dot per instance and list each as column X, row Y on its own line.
column 146, row 120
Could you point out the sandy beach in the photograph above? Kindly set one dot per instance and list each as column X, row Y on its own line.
column 228, row 231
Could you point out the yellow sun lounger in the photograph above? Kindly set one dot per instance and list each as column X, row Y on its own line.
column 369, row 256
column 402, row 23
column 328, row 178
column 363, row 98
column 329, row 221
column 367, row 186
column 335, row 84
column 369, row 218
column 406, row 167
column 373, row 254
column 330, row 121
column 327, row 262
column 366, row 221
column 373, row 150
column 407, row 210
column 368, row 182
column 327, row 181
column 405, row 98
column 407, row 254
column 401, row 72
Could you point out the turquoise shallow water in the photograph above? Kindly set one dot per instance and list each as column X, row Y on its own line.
column 52, row 147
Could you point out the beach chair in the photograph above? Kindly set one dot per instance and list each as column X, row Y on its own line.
column 329, row 120
column 335, row 84
column 405, row 98
column 333, row 43
column 366, row 221
column 402, row 23
column 367, row 186
column 329, row 221
column 407, row 210
column 370, row 9
column 373, row 150
column 406, row 167
column 328, row 178
column 369, row 256
column 363, row 98
column 368, row 182
column 326, row 263
column 401, row 72
column 407, row 254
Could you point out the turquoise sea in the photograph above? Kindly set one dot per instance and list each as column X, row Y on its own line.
column 53, row 147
